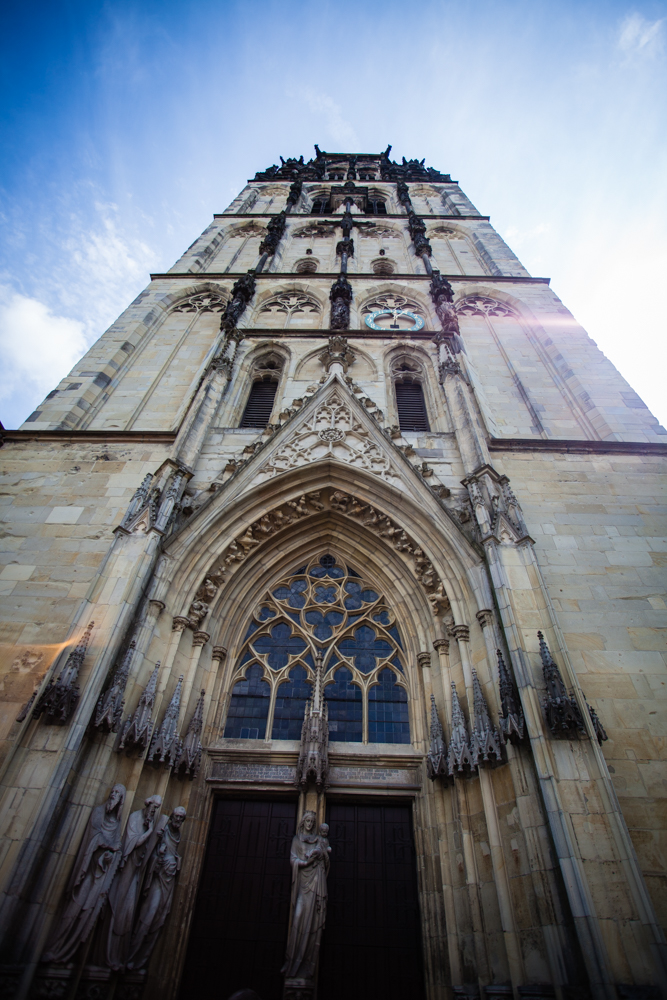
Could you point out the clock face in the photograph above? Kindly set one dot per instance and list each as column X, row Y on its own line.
column 394, row 319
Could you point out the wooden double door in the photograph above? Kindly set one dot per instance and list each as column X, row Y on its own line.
column 371, row 945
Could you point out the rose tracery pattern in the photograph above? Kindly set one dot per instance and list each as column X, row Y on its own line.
column 203, row 302
column 323, row 609
column 332, row 432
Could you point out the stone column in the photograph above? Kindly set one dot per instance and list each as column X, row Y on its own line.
column 447, row 819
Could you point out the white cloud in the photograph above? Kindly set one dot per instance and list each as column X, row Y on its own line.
column 337, row 126
column 37, row 347
column 637, row 34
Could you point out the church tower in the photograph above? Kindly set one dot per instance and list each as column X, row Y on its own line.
column 345, row 522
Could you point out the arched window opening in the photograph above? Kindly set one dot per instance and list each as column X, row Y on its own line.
column 376, row 206
column 410, row 402
column 306, row 266
column 320, row 206
column 327, row 609
column 266, row 376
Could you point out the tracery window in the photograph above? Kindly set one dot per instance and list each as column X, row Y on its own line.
column 376, row 206
column 324, row 608
column 320, row 206
column 290, row 309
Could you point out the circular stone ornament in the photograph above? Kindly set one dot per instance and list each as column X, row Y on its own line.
column 372, row 317
column 331, row 434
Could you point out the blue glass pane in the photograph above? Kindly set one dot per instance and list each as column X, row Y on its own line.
column 397, row 663
column 309, row 660
column 369, row 596
column 252, row 627
column 326, row 595
column 365, row 648
column 327, row 567
column 301, row 571
column 323, row 622
column 266, row 613
column 246, row 656
column 353, row 600
column 249, row 707
column 295, row 616
column 291, row 700
column 280, row 645
column 382, row 618
column 393, row 632
column 344, row 702
column 292, row 594
column 388, row 711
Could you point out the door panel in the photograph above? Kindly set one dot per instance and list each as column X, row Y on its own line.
column 239, row 929
column 371, row 945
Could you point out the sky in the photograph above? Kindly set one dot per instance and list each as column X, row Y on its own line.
column 126, row 124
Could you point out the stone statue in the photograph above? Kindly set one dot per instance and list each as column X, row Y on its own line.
column 158, row 891
column 309, row 857
column 124, row 894
column 95, row 866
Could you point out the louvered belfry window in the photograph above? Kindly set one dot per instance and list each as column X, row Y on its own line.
column 260, row 403
column 411, row 407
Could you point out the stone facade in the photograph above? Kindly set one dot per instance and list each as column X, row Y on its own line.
column 134, row 499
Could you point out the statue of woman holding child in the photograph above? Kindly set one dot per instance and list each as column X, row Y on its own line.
column 309, row 857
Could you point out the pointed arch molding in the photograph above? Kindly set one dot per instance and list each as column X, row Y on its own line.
column 313, row 503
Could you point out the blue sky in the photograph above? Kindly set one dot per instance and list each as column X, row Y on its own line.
column 126, row 125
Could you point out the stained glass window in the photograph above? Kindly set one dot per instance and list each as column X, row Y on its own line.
column 249, row 707
column 326, row 609
column 388, row 711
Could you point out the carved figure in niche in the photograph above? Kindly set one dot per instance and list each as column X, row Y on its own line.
column 124, row 895
column 197, row 613
column 93, row 872
column 159, row 884
column 310, row 866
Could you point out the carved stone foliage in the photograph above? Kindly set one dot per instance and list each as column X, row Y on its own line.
column 203, row 302
column 340, row 296
column 109, row 710
column 561, row 709
column 481, row 305
column 308, row 505
column 319, row 230
column 289, row 304
column 379, row 233
column 59, row 698
column 443, row 300
column 598, row 728
column 242, row 292
column 417, row 229
column 274, row 233
column 337, row 350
